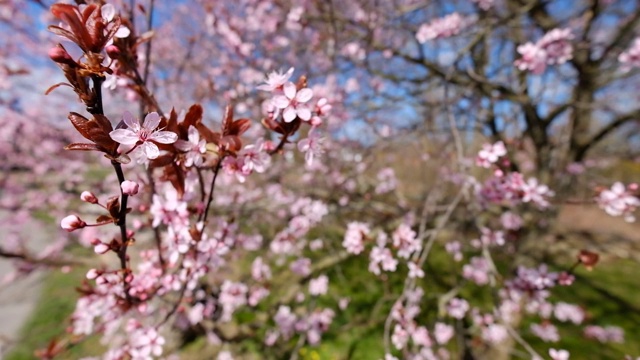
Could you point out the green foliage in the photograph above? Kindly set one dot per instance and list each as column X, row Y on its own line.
column 51, row 318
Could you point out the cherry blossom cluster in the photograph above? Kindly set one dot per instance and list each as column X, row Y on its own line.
column 211, row 231
column 554, row 48
column 441, row 28
column 630, row 58
column 511, row 189
column 414, row 340
column 620, row 200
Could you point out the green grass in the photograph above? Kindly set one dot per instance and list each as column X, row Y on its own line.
column 609, row 294
column 50, row 318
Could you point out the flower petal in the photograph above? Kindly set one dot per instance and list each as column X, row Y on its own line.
column 131, row 122
column 151, row 121
column 304, row 95
column 150, row 150
column 108, row 12
column 289, row 114
column 122, row 32
column 164, row 137
column 290, row 90
column 194, row 136
column 303, row 113
column 280, row 102
column 124, row 136
column 183, row 145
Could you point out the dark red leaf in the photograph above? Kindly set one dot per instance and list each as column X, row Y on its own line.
column 82, row 147
column 113, row 205
column 53, row 87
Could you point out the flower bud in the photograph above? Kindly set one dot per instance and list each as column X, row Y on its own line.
column 129, row 187
column 565, row 279
column 89, row 197
column 93, row 273
column 315, row 121
column 101, row 248
column 588, row 259
column 61, row 56
column 72, row 222
column 113, row 51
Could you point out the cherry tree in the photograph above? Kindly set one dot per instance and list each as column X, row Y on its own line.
column 250, row 153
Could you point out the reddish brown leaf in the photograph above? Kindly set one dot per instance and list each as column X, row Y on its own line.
column 193, row 116
column 113, row 205
column 174, row 174
column 53, row 87
column 172, row 121
column 103, row 219
column 227, row 119
column 208, row 134
column 239, row 126
column 62, row 32
column 71, row 15
column 231, row 143
column 82, row 147
column 81, row 124
column 162, row 161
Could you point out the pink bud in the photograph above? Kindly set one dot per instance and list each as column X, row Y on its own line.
column 129, row 187
column 92, row 274
column 113, row 51
column 268, row 145
column 565, row 279
column 101, row 248
column 72, row 222
column 88, row 196
column 60, row 55
column 315, row 121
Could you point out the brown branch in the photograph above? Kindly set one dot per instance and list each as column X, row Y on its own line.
column 582, row 149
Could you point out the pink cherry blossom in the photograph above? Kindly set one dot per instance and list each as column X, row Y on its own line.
column 490, row 154
column 254, row 158
column 569, row 312
column 405, row 240
column 301, row 266
column 89, row 197
column 129, row 187
column 194, row 148
column 557, row 44
column 619, row 201
column 484, row 4
column 443, row 27
column 546, row 332
column 414, row 270
column 560, row 354
column 536, row 193
column 494, row 333
column 477, row 271
column 381, row 256
column 553, row 48
column 319, row 285
column 604, row 334
column 443, row 333
column 354, row 237
column 312, row 146
column 533, row 58
column 631, row 57
column 511, row 221
column 143, row 136
column 292, row 102
column 276, row 80
column 457, row 308
column 72, row 222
